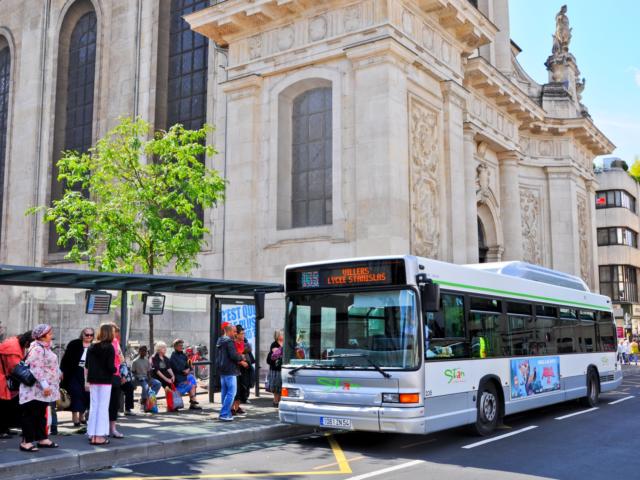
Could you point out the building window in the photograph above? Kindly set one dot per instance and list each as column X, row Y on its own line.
column 188, row 62
column 615, row 198
column 619, row 282
column 75, row 94
column 617, row 236
column 5, row 67
column 311, row 166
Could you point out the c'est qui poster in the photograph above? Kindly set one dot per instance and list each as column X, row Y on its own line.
column 533, row 376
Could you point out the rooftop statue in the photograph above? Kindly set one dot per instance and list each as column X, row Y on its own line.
column 562, row 37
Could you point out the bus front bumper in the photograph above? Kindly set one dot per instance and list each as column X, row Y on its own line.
column 372, row 419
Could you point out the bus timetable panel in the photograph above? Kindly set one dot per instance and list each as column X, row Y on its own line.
column 353, row 274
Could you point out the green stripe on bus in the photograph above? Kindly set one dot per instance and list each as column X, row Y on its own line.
column 517, row 294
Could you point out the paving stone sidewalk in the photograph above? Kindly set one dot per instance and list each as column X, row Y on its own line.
column 147, row 437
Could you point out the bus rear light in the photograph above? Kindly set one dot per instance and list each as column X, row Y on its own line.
column 409, row 398
column 291, row 392
column 401, row 397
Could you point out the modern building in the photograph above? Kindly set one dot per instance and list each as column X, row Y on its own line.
column 618, row 225
column 345, row 128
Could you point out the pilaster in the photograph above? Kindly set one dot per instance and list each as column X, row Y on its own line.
column 470, row 205
column 510, row 205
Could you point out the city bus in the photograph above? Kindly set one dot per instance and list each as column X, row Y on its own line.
column 412, row 345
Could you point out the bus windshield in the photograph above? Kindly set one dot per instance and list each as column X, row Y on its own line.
column 353, row 330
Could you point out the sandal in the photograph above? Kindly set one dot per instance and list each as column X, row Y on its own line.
column 32, row 448
column 104, row 442
column 116, row 434
column 48, row 445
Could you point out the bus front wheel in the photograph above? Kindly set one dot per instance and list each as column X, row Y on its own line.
column 593, row 389
column 488, row 409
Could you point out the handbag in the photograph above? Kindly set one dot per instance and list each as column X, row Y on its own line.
column 64, row 401
column 151, row 405
column 177, row 399
column 22, row 374
column 168, row 395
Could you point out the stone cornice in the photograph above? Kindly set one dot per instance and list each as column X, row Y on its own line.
column 226, row 20
column 583, row 129
column 465, row 22
column 484, row 77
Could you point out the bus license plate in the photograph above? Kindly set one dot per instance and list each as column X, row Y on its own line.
column 333, row 422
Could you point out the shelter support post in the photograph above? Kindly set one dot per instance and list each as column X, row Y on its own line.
column 214, row 333
column 124, row 320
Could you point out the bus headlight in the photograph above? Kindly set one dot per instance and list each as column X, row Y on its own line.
column 401, row 398
column 291, row 392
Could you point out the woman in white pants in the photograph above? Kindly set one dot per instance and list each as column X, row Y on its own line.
column 100, row 368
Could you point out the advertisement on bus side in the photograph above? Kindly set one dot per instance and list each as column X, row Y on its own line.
column 533, row 376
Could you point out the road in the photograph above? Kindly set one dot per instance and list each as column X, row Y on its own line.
column 564, row 441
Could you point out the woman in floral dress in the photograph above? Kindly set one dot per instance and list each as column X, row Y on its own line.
column 34, row 400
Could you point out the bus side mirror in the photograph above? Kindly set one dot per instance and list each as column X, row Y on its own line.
column 258, row 298
column 430, row 297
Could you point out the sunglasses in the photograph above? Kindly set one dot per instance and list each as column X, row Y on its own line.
column 88, row 334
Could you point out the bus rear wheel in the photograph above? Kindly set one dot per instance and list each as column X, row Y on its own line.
column 488, row 409
column 593, row 390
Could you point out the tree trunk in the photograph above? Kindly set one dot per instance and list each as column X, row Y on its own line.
column 150, row 269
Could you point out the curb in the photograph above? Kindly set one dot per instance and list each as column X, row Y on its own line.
column 81, row 462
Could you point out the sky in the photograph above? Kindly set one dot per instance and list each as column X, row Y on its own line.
column 606, row 43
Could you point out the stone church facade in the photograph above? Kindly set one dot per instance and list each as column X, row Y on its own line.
column 344, row 127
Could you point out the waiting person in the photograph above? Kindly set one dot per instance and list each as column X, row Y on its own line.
column 140, row 369
column 12, row 351
column 114, row 401
column 100, row 369
column 228, row 360
column 274, row 360
column 243, row 347
column 160, row 367
column 34, row 400
column 127, row 387
column 72, row 367
column 185, row 381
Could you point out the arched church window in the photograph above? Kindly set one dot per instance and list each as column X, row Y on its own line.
column 482, row 243
column 5, row 69
column 311, row 159
column 75, row 93
column 187, row 80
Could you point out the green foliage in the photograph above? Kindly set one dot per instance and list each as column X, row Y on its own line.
column 141, row 212
column 634, row 170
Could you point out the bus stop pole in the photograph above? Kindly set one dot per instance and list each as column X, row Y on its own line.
column 214, row 333
column 124, row 320
column 257, row 357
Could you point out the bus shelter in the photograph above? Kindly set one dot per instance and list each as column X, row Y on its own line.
column 220, row 293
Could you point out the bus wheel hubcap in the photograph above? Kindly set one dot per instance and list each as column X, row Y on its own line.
column 488, row 405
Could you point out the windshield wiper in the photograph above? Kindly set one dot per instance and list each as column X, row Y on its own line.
column 366, row 357
column 314, row 365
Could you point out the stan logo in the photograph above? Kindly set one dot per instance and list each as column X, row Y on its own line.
column 335, row 384
column 605, row 360
column 454, row 375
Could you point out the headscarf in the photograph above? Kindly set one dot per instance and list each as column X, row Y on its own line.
column 41, row 330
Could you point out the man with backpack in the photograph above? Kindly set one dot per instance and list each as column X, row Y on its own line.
column 227, row 361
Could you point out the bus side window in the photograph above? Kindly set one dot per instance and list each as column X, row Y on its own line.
column 445, row 329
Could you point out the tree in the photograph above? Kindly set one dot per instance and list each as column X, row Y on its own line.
column 634, row 171
column 133, row 202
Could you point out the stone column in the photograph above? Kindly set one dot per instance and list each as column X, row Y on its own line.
column 591, row 205
column 471, row 204
column 455, row 99
column 565, row 239
column 510, row 205
column 382, row 199
column 242, row 153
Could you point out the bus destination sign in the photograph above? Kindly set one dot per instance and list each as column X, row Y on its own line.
column 390, row 272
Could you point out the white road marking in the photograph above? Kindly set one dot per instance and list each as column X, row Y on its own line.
column 386, row 470
column 622, row 399
column 577, row 413
column 500, row 437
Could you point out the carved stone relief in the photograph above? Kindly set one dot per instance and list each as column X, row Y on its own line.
column 318, row 28
column 530, row 207
column 286, row 36
column 407, row 22
column 352, row 17
column 583, row 239
column 255, row 47
column 483, row 181
column 425, row 220
column 427, row 37
column 446, row 52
